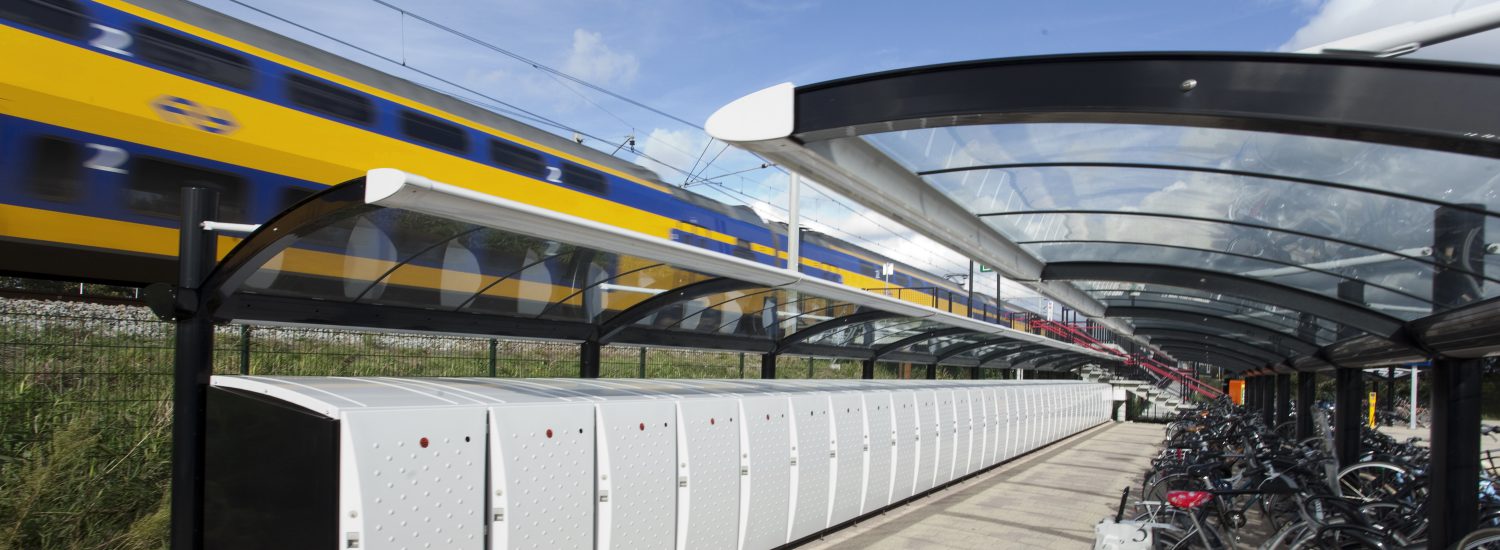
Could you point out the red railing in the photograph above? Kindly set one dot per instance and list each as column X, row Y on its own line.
column 1074, row 335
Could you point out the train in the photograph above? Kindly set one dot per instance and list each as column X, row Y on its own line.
column 115, row 106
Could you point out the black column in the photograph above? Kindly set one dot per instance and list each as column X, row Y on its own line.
column 193, row 359
column 1307, row 392
column 1283, row 399
column 1268, row 400
column 1452, row 510
column 1252, row 393
column 973, row 373
column 1349, row 395
column 1349, row 392
column 932, row 371
column 1390, row 396
column 588, row 359
column 868, row 372
column 768, row 366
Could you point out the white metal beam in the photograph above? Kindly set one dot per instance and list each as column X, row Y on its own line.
column 1408, row 37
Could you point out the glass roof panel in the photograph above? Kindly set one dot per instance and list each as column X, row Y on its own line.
column 1242, row 202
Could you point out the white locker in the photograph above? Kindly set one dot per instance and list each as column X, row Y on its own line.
column 765, row 472
column 880, row 438
column 908, row 436
column 541, row 475
column 811, row 464
column 708, row 476
column 979, row 400
column 947, row 437
column 964, row 436
column 407, row 480
column 637, row 474
column 927, row 440
column 850, row 447
column 993, row 451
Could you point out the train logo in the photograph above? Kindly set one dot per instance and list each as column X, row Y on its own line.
column 178, row 110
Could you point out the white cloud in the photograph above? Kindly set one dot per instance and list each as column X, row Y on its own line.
column 594, row 61
column 1336, row 19
column 667, row 151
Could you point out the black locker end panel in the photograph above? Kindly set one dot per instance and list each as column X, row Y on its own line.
column 272, row 474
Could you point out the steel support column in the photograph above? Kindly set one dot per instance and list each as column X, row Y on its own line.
column 192, row 365
column 932, row 371
column 1390, row 396
column 1283, row 399
column 1452, row 509
column 974, row 373
column 768, row 366
column 588, row 359
column 1268, row 399
column 868, row 372
column 1348, row 396
column 1307, row 392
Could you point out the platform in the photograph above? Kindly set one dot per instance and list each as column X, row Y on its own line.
column 1049, row 499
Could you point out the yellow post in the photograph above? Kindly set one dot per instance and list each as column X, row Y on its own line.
column 1372, row 410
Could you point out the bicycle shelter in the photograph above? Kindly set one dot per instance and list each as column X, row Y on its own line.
column 1269, row 213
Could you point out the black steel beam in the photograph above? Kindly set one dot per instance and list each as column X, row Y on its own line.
column 588, row 359
column 954, row 350
column 932, row 371
column 1229, row 326
column 1296, row 299
column 830, row 325
column 629, row 316
column 768, row 366
column 917, row 338
column 867, row 369
column 295, row 310
column 1349, row 394
column 1001, row 354
column 193, row 364
column 1280, row 93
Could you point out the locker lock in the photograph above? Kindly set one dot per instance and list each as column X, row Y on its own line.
column 351, row 539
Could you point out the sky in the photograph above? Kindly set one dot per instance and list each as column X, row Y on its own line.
column 687, row 58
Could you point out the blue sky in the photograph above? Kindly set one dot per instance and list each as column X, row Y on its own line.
column 689, row 57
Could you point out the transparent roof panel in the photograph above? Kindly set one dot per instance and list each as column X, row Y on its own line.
column 1306, row 212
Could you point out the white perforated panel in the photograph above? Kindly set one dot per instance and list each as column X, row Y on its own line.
column 412, row 478
column 810, row 474
column 881, row 436
column 947, row 437
column 1013, row 425
column 765, row 478
column 637, row 474
column 708, row 460
column 964, row 440
column 542, row 476
column 927, row 439
column 851, row 446
column 992, row 427
column 904, row 470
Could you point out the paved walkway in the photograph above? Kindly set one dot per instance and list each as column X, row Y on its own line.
column 1050, row 498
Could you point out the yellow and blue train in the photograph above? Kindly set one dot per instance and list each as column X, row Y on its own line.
column 108, row 108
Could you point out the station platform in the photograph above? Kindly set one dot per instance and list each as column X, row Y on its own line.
column 1048, row 499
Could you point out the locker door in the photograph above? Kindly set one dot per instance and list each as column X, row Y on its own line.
column 851, row 448
column 963, row 420
column 979, row 400
column 947, row 437
column 904, row 468
column 765, row 472
column 927, row 439
column 811, row 464
column 637, row 474
column 708, row 475
column 997, row 444
column 392, row 462
column 880, row 458
column 542, row 476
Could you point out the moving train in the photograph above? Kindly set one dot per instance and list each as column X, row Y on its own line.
column 108, row 108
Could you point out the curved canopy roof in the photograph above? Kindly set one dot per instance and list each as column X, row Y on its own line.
column 397, row 251
column 1283, row 202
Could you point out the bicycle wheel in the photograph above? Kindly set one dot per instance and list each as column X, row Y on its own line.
column 1372, row 481
column 1483, row 539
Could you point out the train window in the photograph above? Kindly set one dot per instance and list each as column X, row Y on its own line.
column 64, row 17
column 584, row 179
column 291, row 196
column 175, row 51
column 155, row 188
column 432, row 131
column 56, row 171
column 328, row 99
column 517, row 158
